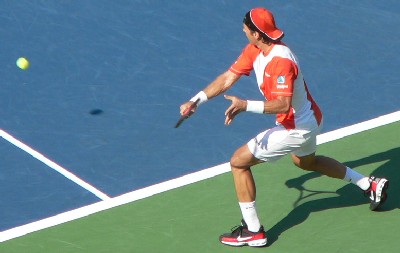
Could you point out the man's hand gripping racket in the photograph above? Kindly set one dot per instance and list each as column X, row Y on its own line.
column 187, row 113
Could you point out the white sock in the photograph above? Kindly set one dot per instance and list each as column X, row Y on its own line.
column 250, row 216
column 356, row 178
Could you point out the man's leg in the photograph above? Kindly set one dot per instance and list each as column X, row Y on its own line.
column 245, row 187
column 376, row 187
column 268, row 145
column 322, row 164
column 250, row 232
column 241, row 162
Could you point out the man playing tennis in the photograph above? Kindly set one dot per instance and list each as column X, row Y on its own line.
column 298, row 122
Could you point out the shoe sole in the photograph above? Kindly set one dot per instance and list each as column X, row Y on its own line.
column 255, row 243
column 382, row 188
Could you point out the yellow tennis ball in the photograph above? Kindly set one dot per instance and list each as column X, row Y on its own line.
column 22, row 63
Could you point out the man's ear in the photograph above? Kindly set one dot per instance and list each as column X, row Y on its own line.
column 257, row 35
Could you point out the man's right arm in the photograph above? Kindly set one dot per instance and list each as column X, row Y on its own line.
column 221, row 84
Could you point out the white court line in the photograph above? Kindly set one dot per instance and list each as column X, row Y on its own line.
column 176, row 183
column 53, row 165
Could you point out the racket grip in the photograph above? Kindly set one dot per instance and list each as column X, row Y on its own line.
column 188, row 110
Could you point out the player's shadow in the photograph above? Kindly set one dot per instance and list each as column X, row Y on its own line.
column 347, row 196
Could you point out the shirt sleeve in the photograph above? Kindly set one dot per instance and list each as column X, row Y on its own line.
column 244, row 64
column 285, row 74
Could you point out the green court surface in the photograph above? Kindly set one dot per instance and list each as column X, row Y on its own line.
column 301, row 211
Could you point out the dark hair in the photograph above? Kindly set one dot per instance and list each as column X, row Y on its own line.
column 249, row 23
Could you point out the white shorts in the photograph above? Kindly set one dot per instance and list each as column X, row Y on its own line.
column 274, row 143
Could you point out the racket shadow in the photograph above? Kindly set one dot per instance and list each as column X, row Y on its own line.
column 347, row 196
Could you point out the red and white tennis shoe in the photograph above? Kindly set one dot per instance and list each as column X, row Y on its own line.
column 241, row 236
column 377, row 192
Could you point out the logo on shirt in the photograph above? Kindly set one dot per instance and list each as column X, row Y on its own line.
column 281, row 79
column 282, row 86
column 281, row 83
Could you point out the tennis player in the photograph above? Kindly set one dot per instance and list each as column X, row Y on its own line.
column 298, row 122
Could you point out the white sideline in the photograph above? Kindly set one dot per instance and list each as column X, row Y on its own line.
column 53, row 165
column 176, row 183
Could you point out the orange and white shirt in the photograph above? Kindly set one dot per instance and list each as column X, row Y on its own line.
column 278, row 74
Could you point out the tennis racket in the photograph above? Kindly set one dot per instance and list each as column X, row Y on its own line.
column 187, row 113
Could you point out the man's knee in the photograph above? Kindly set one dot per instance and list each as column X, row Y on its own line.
column 243, row 159
column 237, row 162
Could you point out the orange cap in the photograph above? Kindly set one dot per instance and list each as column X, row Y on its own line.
column 264, row 21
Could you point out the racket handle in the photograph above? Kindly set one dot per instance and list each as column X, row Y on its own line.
column 187, row 113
